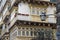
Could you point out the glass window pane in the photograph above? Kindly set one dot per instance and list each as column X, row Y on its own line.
column 23, row 32
column 35, row 33
column 37, row 11
column 31, row 33
column 19, row 32
column 33, row 11
column 27, row 33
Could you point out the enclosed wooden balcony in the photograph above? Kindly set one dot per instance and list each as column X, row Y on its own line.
column 22, row 15
column 32, row 13
column 27, row 18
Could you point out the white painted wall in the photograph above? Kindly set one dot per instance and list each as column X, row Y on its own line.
column 50, row 10
column 23, row 8
column 51, row 18
column 21, row 17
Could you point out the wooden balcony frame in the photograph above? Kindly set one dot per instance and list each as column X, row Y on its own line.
column 34, row 2
column 22, row 22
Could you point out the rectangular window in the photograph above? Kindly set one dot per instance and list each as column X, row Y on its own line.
column 35, row 10
column 27, row 33
column 31, row 33
column 19, row 33
column 32, row 10
column 35, row 33
column 23, row 33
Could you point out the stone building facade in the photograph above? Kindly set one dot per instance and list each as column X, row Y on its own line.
column 28, row 20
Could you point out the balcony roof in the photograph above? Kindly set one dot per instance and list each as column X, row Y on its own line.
column 35, row 2
column 22, row 22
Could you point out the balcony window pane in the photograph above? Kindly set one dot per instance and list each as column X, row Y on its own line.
column 33, row 10
column 19, row 32
column 35, row 33
column 37, row 11
column 27, row 33
column 23, row 33
column 31, row 33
